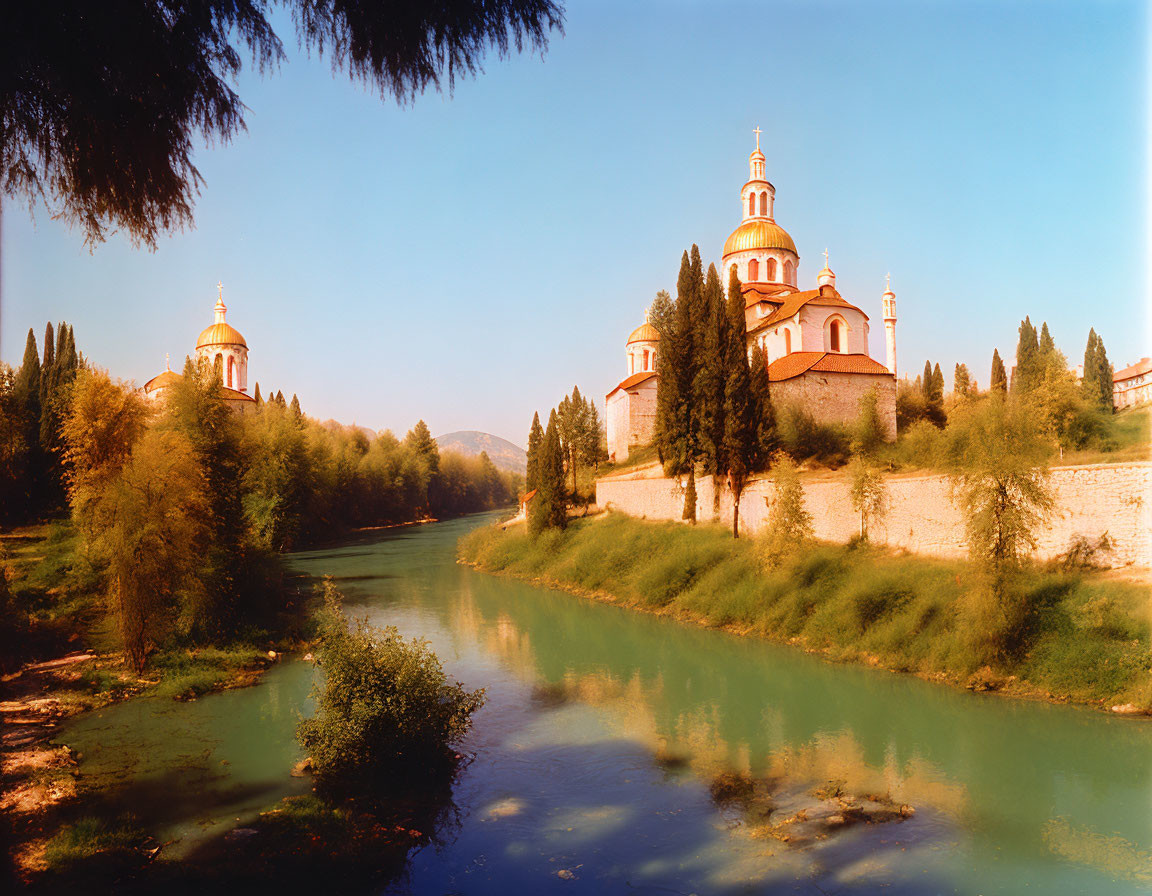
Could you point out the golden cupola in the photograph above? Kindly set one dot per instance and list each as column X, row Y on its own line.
column 221, row 332
column 221, row 346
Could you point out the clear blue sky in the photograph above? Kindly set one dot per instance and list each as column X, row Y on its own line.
column 467, row 259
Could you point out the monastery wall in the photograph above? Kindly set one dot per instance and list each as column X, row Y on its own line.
column 835, row 397
column 922, row 517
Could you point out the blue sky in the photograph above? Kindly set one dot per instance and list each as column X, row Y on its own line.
column 468, row 258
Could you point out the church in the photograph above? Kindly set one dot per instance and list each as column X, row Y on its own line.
column 815, row 339
column 222, row 346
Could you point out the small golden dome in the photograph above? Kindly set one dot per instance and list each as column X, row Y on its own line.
column 220, row 334
column 163, row 381
column 644, row 333
column 759, row 235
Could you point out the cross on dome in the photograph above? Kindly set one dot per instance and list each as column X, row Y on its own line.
column 167, row 361
column 887, row 283
column 757, row 132
column 825, row 256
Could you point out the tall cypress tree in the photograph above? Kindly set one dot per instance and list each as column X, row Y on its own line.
column 256, row 395
column 741, row 448
column 1047, row 346
column 1098, row 372
column 998, row 379
column 48, row 391
column 674, row 385
column 926, row 382
column 765, row 416
column 295, row 407
column 535, row 439
column 715, row 340
column 961, row 381
column 548, row 509
column 1029, row 368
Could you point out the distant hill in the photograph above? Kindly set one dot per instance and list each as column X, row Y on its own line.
column 501, row 452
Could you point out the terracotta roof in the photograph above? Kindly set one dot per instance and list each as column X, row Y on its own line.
column 235, row 395
column 796, row 363
column 528, row 497
column 1144, row 365
column 167, row 378
column 797, row 300
column 635, row 380
column 760, row 292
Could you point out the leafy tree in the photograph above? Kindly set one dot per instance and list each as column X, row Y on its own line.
column 589, row 444
column 998, row 380
column 419, row 441
column 741, row 447
column 1098, row 373
column 535, row 439
column 1001, row 481
column 275, row 476
column 548, row 509
column 789, row 522
column 386, row 716
column 573, row 421
column 13, row 448
column 961, row 381
column 868, row 433
column 149, row 529
column 87, row 130
column 869, row 494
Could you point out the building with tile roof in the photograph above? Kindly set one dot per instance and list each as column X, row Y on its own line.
column 219, row 345
column 816, row 340
column 1132, row 385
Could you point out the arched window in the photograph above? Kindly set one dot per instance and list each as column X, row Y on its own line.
column 787, row 342
column 231, row 364
column 218, row 366
column 753, row 270
column 751, row 204
column 771, row 268
column 834, row 336
column 646, row 359
column 764, row 204
column 631, row 363
column 789, row 273
column 653, row 360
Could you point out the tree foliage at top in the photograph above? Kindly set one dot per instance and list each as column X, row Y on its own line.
column 549, row 509
column 1097, row 382
column 535, row 439
column 101, row 105
column 998, row 379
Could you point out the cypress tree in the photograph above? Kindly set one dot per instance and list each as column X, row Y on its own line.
column 26, row 392
column 61, row 340
column 48, row 423
column 547, row 510
column 535, row 439
column 674, row 386
column 295, row 406
column 1028, row 362
column 1098, row 372
column 256, row 395
column 765, row 416
column 961, row 382
column 926, row 382
column 28, row 377
column 998, row 380
column 1047, row 346
column 741, row 430
column 716, row 338
column 280, row 398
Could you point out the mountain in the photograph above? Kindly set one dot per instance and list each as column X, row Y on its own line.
column 501, row 452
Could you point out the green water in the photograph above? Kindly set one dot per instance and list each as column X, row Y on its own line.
column 603, row 728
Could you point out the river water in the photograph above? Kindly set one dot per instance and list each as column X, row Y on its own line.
column 603, row 729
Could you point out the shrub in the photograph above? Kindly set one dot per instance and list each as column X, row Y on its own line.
column 805, row 439
column 386, row 714
column 789, row 522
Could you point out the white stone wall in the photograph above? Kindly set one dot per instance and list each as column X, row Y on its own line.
column 835, row 397
column 616, row 412
column 239, row 356
column 922, row 516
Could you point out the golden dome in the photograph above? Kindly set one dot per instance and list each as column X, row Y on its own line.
column 220, row 334
column 644, row 333
column 759, row 235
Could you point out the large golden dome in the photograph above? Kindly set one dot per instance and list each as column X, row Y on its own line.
column 220, row 334
column 759, row 235
column 644, row 333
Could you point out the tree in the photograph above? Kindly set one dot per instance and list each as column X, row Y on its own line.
column 573, row 420
column 789, row 522
column 765, row 414
column 548, row 509
column 420, row 442
column 961, row 381
column 256, row 395
column 741, row 448
column 869, row 493
column 535, row 439
column 868, row 433
column 386, row 715
column 926, row 382
column 1001, row 481
column 1029, row 365
column 710, row 388
column 998, row 379
column 87, row 130
column 1097, row 382
column 295, row 407
column 149, row 529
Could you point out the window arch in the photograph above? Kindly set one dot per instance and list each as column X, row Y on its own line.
column 231, row 365
column 787, row 341
column 631, row 363
column 218, row 366
column 764, row 204
column 789, row 273
column 754, row 269
column 836, row 334
column 771, row 268
column 646, row 367
column 751, row 204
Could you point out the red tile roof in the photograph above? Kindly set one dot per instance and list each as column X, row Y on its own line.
column 635, row 380
column 797, row 300
column 1144, row 365
column 528, row 497
column 797, row 363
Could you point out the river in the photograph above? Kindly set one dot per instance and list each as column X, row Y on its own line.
column 604, row 727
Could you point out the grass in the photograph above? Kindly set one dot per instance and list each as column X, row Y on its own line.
column 1128, row 438
column 188, row 673
column 87, row 837
column 1069, row 635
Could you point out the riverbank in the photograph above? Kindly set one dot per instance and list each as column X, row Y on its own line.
column 1068, row 636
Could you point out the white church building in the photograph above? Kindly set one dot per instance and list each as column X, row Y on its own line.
column 817, row 342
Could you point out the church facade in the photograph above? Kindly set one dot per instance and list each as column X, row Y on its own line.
column 222, row 346
column 817, row 342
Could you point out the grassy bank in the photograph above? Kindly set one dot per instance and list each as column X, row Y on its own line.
column 1078, row 636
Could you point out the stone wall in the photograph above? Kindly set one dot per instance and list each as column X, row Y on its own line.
column 631, row 418
column 922, row 517
column 835, row 397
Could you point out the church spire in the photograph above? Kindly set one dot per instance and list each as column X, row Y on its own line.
column 756, row 160
column 221, row 309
